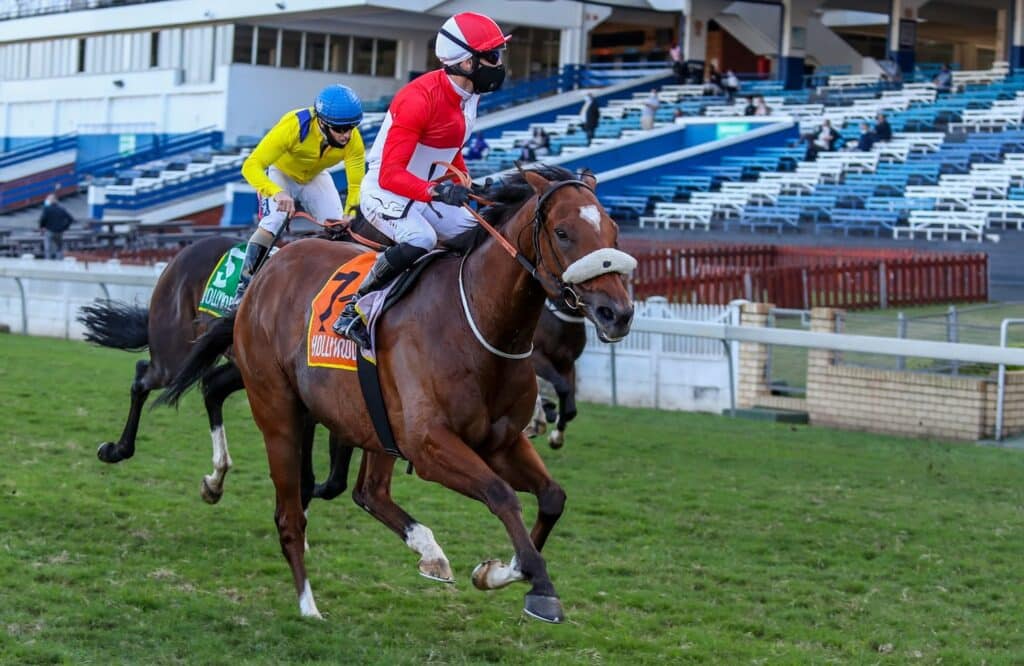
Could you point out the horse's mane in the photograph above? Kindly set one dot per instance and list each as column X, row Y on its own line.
column 512, row 191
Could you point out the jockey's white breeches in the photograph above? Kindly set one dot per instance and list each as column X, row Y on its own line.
column 422, row 226
column 319, row 197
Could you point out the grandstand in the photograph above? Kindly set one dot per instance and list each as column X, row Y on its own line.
column 176, row 128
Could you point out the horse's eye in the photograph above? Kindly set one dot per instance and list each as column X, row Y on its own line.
column 560, row 233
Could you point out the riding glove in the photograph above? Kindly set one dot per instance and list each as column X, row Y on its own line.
column 451, row 193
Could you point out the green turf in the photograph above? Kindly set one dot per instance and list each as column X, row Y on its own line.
column 687, row 538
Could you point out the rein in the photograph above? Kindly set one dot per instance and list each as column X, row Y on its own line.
column 599, row 262
column 329, row 224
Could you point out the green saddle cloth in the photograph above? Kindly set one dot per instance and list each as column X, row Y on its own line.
column 223, row 283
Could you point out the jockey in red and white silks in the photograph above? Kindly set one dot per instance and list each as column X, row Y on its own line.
column 429, row 120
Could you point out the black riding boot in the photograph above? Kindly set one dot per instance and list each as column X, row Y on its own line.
column 390, row 264
column 254, row 255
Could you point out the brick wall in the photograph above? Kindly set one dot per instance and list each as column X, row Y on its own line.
column 883, row 401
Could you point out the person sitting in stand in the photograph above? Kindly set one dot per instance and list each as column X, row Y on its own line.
column 760, row 108
column 477, row 147
column 428, row 121
column 750, row 109
column 290, row 164
column 527, row 153
column 883, row 130
column 944, row 80
column 540, row 141
column 823, row 140
column 713, row 80
column 866, row 139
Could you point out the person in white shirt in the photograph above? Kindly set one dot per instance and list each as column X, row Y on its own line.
column 650, row 107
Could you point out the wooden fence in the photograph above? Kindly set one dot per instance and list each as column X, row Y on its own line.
column 799, row 277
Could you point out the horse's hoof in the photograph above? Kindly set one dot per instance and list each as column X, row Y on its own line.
column 556, row 439
column 108, row 453
column 480, row 571
column 209, row 495
column 439, row 570
column 534, row 429
column 548, row 609
column 495, row 574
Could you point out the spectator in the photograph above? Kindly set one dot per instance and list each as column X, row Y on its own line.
column 713, row 80
column 760, row 108
column 731, row 85
column 650, row 107
column 477, row 147
column 678, row 68
column 540, row 141
column 867, row 138
column 822, row 140
column 943, row 80
column 883, row 131
column 527, row 153
column 54, row 221
column 750, row 109
column 589, row 115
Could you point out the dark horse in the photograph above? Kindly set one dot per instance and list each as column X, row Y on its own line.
column 454, row 370
column 560, row 338
column 168, row 328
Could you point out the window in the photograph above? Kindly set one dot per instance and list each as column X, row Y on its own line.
column 266, row 46
column 80, row 64
column 362, row 55
column 243, row 44
column 387, row 57
column 154, row 48
column 339, row 53
column 316, row 49
column 291, row 48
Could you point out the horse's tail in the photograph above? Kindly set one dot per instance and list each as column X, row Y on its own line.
column 207, row 348
column 116, row 324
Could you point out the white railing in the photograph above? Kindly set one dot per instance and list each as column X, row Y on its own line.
column 42, row 297
column 667, row 341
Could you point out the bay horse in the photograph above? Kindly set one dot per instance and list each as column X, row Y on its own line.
column 453, row 365
column 558, row 342
column 168, row 328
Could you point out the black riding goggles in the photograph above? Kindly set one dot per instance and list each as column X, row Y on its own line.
column 341, row 129
column 492, row 57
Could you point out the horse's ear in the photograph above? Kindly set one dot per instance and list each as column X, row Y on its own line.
column 538, row 182
column 588, row 177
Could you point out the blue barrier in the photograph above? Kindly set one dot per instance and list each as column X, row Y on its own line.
column 39, row 149
column 150, row 197
column 204, row 138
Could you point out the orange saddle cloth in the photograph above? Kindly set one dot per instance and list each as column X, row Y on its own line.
column 324, row 347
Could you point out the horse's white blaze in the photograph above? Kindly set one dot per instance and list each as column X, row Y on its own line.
column 307, row 606
column 421, row 539
column 499, row 574
column 592, row 215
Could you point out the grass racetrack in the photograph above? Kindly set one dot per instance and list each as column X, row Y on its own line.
column 686, row 538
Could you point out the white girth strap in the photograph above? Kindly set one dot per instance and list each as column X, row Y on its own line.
column 598, row 262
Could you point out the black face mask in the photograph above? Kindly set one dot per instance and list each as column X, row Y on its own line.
column 487, row 79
